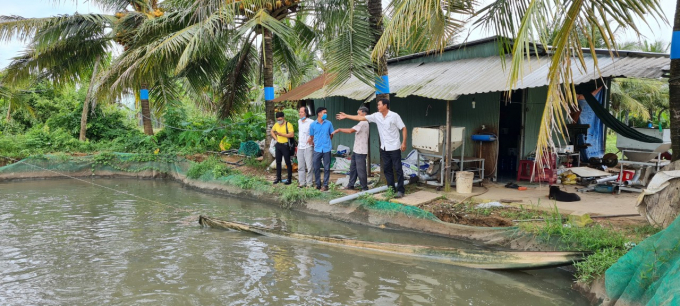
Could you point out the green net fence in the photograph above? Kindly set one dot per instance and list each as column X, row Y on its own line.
column 411, row 211
column 649, row 274
column 65, row 165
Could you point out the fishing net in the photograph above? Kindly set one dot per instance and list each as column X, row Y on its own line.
column 105, row 163
column 649, row 274
column 249, row 148
column 411, row 211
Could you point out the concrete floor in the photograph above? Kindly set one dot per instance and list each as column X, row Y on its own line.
column 591, row 202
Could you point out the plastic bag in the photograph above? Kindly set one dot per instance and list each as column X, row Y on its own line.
column 342, row 150
column 341, row 164
column 272, row 150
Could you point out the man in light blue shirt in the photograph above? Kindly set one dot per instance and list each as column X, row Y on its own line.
column 321, row 134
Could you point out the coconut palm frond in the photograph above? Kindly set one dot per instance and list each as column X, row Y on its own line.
column 239, row 74
column 23, row 29
column 349, row 40
column 622, row 101
column 124, row 5
column 415, row 25
column 656, row 46
column 164, row 92
column 579, row 24
column 73, row 26
column 62, row 62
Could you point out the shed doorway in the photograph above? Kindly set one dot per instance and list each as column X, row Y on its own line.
column 510, row 132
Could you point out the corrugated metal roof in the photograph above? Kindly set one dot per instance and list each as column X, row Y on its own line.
column 449, row 80
column 304, row 90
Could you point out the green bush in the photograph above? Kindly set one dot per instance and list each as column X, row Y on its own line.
column 197, row 170
column 292, row 195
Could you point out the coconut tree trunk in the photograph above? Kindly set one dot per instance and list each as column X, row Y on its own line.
column 9, row 111
column 268, row 71
column 674, row 88
column 376, row 19
column 86, row 103
column 146, row 112
column 380, row 66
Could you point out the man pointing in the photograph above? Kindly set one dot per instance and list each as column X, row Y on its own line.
column 389, row 124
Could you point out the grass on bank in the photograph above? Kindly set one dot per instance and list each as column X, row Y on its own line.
column 606, row 243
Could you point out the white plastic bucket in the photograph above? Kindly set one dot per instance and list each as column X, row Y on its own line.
column 464, row 181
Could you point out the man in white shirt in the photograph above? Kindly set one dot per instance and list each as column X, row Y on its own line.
column 357, row 167
column 389, row 124
column 305, row 151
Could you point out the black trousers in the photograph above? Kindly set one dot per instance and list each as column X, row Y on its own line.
column 282, row 151
column 392, row 160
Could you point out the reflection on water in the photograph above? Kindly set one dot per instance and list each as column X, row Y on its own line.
column 65, row 242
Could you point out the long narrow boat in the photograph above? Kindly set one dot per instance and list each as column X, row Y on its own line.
column 481, row 259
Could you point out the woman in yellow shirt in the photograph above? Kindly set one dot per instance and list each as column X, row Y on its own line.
column 282, row 131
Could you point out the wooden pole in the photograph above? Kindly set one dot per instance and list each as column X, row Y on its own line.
column 368, row 155
column 447, row 147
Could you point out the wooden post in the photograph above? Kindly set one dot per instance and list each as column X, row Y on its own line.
column 447, row 147
column 368, row 155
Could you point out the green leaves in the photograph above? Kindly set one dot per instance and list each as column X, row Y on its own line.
column 421, row 24
column 350, row 39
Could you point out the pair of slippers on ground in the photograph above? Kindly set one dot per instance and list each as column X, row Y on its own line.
column 512, row 185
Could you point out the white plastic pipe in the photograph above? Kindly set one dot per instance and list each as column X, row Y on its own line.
column 635, row 180
column 607, row 179
column 358, row 194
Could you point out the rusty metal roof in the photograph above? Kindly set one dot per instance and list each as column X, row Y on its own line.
column 304, row 90
column 451, row 79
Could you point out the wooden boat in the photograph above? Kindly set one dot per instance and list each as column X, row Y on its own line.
column 481, row 259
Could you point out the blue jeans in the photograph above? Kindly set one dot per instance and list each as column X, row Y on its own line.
column 326, row 168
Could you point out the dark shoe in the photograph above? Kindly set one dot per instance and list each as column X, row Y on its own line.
column 399, row 195
column 277, row 181
column 287, row 182
column 325, row 188
column 318, row 187
column 364, row 189
column 349, row 188
column 511, row 185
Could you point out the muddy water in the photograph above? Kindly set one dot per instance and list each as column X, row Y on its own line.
column 65, row 242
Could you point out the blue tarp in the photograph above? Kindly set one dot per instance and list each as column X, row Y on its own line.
column 596, row 130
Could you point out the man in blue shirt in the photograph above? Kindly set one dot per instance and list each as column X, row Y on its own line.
column 321, row 134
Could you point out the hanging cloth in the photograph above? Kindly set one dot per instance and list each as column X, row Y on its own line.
column 616, row 125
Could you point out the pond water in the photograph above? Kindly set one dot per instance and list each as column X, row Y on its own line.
column 67, row 242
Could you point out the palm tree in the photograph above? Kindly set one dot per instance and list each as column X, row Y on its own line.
column 644, row 98
column 65, row 48
column 15, row 99
column 212, row 47
column 674, row 91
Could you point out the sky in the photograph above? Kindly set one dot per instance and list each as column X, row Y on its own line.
column 45, row 8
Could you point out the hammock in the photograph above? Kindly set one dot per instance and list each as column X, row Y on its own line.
column 616, row 125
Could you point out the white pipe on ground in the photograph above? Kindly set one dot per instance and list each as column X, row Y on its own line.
column 358, row 194
column 635, row 180
column 607, row 179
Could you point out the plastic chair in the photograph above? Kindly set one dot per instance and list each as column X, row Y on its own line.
column 525, row 170
column 549, row 171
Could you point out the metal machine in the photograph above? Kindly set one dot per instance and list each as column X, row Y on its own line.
column 429, row 143
column 644, row 158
